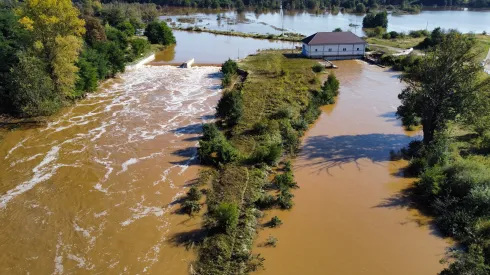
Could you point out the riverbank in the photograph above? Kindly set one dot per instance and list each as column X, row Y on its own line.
column 261, row 118
column 292, row 37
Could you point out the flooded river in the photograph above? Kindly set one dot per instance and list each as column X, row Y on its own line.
column 94, row 190
column 349, row 217
column 213, row 49
column 309, row 22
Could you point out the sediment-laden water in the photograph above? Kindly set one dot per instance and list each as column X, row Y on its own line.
column 350, row 217
column 95, row 190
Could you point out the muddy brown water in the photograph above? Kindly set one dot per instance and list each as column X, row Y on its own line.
column 349, row 217
column 95, row 191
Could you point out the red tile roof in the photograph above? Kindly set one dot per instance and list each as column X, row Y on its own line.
column 322, row 38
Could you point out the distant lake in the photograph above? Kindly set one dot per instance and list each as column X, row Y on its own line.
column 307, row 23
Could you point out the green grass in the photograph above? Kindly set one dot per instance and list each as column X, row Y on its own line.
column 404, row 43
column 483, row 45
column 273, row 81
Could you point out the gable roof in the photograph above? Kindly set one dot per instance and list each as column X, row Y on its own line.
column 322, row 38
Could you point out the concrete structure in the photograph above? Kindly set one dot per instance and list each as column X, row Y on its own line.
column 188, row 63
column 334, row 46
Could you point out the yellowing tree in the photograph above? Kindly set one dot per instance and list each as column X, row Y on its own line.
column 57, row 31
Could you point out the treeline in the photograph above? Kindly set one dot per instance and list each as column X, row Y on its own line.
column 351, row 5
column 261, row 117
column 449, row 96
column 55, row 52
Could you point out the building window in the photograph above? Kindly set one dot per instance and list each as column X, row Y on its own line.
column 329, row 50
column 357, row 48
column 316, row 50
column 344, row 49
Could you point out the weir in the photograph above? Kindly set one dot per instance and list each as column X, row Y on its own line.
column 188, row 63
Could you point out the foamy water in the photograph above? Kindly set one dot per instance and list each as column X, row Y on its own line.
column 94, row 188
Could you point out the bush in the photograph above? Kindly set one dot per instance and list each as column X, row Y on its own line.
column 190, row 207
column 337, row 30
column 138, row 47
column 230, row 107
column 226, row 215
column 229, row 67
column 194, row 194
column 283, row 112
column 271, row 241
column 275, row 222
column 214, row 148
column 285, row 181
column 318, row 68
column 267, row 154
column 285, row 199
column 159, row 33
column 266, row 201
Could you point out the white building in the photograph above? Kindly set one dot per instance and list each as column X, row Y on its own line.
column 334, row 45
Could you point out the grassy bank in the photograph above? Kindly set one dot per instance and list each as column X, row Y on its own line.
column 288, row 36
column 270, row 101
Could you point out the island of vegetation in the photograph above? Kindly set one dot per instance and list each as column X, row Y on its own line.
column 54, row 52
column 268, row 103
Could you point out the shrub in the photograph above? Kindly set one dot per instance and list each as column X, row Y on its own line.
column 275, row 222
column 229, row 67
column 139, row 46
column 265, row 201
column 230, row 107
column 190, row 207
column 271, row 241
column 285, row 199
column 194, row 194
column 318, row 68
column 283, row 112
column 337, row 30
column 285, row 181
column 226, row 216
column 214, row 148
column 267, row 154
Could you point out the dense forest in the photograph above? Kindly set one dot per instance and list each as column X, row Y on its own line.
column 54, row 52
column 310, row 4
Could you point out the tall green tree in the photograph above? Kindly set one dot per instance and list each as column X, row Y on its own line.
column 57, row 30
column 159, row 33
column 443, row 85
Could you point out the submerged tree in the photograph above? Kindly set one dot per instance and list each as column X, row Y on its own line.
column 442, row 85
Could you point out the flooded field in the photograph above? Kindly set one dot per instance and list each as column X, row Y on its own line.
column 94, row 191
column 212, row 48
column 349, row 216
column 306, row 23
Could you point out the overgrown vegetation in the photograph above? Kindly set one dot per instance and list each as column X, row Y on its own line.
column 448, row 94
column 373, row 20
column 54, row 52
column 260, row 121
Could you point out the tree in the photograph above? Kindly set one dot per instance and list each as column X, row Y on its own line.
column 127, row 28
column 360, row 8
column 373, row 20
column 336, row 30
column 442, row 85
column 57, row 30
column 32, row 90
column 240, row 6
column 94, row 30
column 14, row 39
column 159, row 33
